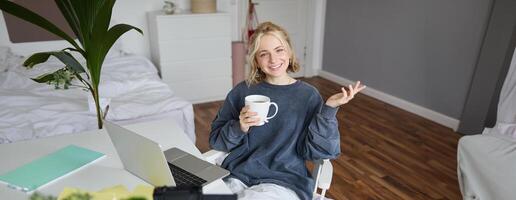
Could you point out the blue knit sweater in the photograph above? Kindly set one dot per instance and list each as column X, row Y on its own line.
column 303, row 129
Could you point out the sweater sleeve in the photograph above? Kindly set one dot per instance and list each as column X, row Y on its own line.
column 321, row 139
column 225, row 129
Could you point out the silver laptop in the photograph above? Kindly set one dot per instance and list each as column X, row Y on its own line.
column 174, row 167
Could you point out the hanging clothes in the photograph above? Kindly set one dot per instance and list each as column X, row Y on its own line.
column 251, row 22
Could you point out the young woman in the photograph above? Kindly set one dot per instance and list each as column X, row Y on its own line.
column 268, row 161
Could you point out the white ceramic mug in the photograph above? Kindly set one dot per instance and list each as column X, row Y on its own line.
column 261, row 105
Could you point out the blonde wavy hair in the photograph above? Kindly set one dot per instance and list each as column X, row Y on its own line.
column 256, row 75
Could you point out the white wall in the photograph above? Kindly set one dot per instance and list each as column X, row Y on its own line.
column 131, row 12
column 134, row 12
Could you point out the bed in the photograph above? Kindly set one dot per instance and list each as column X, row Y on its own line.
column 31, row 110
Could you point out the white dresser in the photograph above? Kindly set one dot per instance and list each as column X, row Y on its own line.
column 193, row 53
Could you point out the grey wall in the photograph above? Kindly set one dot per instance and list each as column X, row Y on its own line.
column 494, row 61
column 423, row 51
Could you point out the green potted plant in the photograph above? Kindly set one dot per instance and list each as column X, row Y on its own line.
column 89, row 20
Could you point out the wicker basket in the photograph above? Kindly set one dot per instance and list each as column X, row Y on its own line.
column 204, row 6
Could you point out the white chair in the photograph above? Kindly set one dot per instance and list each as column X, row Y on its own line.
column 322, row 172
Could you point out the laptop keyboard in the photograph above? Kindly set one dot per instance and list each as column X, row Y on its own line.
column 184, row 178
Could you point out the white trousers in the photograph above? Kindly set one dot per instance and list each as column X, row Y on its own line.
column 264, row 191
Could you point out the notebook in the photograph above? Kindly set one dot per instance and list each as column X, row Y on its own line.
column 48, row 168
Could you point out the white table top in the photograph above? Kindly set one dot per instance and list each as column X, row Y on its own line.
column 103, row 173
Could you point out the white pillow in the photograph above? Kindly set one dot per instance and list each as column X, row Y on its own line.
column 14, row 61
column 4, row 54
column 10, row 61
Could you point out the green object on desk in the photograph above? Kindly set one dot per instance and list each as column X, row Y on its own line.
column 48, row 168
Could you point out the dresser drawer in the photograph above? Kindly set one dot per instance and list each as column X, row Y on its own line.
column 194, row 49
column 193, row 26
column 176, row 72
column 193, row 52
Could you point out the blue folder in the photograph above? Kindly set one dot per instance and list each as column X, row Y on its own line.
column 43, row 170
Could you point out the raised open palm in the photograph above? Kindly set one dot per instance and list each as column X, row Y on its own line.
column 344, row 97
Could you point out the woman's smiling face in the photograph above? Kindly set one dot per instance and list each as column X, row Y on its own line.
column 273, row 56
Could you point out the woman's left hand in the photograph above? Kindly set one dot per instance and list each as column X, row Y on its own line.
column 339, row 99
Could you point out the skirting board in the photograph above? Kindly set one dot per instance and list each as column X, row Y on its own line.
column 400, row 103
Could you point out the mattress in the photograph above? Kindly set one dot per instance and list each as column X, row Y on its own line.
column 32, row 110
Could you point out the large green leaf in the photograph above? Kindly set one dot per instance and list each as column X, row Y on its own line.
column 98, row 33
column 72, row 49
column 27, row 15
column 60, row 78
column 81, row 16
column 103, row 18
column 114, row 33
column 45, row 78
column 72, row 18
column 35, row 59
column 104, row 44
column 63, row 56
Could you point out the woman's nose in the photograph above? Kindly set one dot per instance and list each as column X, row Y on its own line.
column 273, row 58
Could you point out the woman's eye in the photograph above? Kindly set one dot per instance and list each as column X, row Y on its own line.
column 262, row 55
column 280, row 50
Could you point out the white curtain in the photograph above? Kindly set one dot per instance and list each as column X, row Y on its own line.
column 506, row 115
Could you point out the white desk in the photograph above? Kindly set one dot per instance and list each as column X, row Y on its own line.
column 102, row 173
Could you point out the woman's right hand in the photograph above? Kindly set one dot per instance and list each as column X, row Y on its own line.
column 247, row 119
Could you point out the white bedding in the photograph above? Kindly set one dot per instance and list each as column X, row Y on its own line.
column 32, row 110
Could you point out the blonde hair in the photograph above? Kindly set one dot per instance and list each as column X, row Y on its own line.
column 268, row 28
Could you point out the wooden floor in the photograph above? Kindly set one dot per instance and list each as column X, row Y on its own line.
column 387, row 153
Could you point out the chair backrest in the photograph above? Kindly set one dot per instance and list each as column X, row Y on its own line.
column 322, row 174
